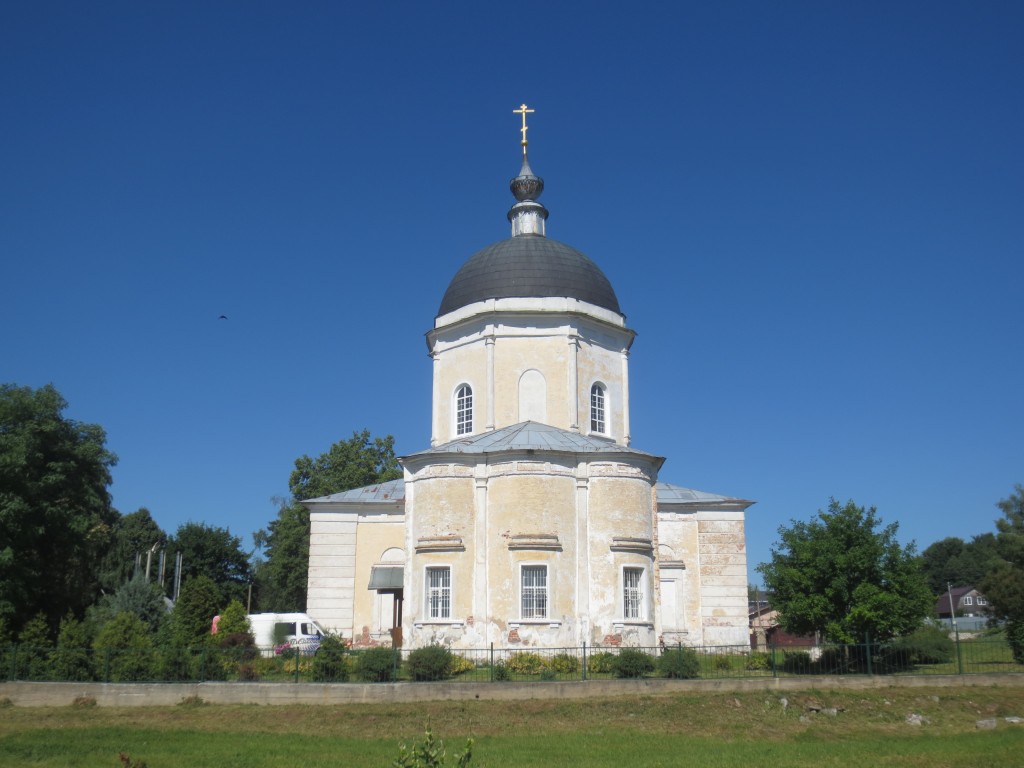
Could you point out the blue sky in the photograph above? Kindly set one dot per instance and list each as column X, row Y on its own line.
column 812, row 213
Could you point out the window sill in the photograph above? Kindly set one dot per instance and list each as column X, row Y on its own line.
column 632, row 623
column 439, row 622
column 533, row 622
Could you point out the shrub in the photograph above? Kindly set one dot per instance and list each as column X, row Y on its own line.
column 601, row 662
column 71, row 661
column 839, row 660
column 431, row 662
column 798, row 662
column 679, row 663
column 564, row 664
column 124, row 652
column 238, row 644
column 721, row 663
column 461, row 664
column 500, row 672
column 377, row 665
column 548, row 674
column 233, row 620
column 633, row 663
column 927, row 645
column 174, row 664
column 1015, row 639
column 33, row 651
column 525, row 663
column 758, row 661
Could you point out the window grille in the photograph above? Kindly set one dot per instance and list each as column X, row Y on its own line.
column 439, row 593
column 968, row 600
column 464, row 410
column 632, row 593
column 535, row 592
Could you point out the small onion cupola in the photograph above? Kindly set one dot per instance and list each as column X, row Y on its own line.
column 527, row 216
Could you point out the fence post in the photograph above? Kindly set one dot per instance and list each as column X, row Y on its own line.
column 491, row 663
column 297, row 654
column 771, row 657
column 584, row 660
column 959, row 657
column 867, row 649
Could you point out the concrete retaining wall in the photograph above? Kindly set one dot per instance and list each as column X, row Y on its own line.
column 165, row 694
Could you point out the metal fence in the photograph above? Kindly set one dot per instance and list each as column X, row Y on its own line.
column 382, row 664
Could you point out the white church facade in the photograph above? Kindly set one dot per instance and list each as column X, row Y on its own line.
column 530, row 520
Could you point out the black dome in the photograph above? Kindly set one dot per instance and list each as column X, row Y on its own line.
column 528, row 266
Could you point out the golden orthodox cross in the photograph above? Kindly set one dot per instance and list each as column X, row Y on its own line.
column 524, row 112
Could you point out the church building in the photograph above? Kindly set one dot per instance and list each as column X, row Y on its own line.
column 531, row 520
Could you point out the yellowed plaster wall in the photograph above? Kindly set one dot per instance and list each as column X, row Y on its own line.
column 515, row 356
column 597, row 364
column 372, row 539
column 465, row 364
column 619, row 506
column 678, row 537
column 445, row 506
column 528, row 505
column 723, row 578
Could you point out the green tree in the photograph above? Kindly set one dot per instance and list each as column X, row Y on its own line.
column 34, row 646
column 193, row 614
column 842, row 576
column 124, row 649
column 133, row 536
column 359, row 461
column 214, row 553
column 71, row 661
column 959, row 563
column 55, row 511
column 141, row 598
column 233, row 621
column 1004, row 586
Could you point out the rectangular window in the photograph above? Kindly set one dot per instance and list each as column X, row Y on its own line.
column 534, row 592
column 632, row 593
column 968, row 600
column 439, row 592
column 982, row 600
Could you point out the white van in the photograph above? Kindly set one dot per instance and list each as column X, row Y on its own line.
column 273, row 630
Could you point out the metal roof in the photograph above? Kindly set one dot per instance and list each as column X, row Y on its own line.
column 380, row 493
column 532, row 435
column 528, row 266
column 676, row 494
column 393, row 492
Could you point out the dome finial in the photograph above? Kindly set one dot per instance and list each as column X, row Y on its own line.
column 527, row 215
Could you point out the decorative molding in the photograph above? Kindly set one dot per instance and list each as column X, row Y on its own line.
column 543, row 541
column 440, row 544
column 672, row 564
column 629, row 544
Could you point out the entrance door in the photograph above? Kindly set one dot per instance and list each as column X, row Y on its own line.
column 396, row 619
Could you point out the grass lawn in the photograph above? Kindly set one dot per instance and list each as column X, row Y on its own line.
column 720, row 729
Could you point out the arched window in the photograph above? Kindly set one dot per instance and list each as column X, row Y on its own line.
column 597, row 398
column 464, row 410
